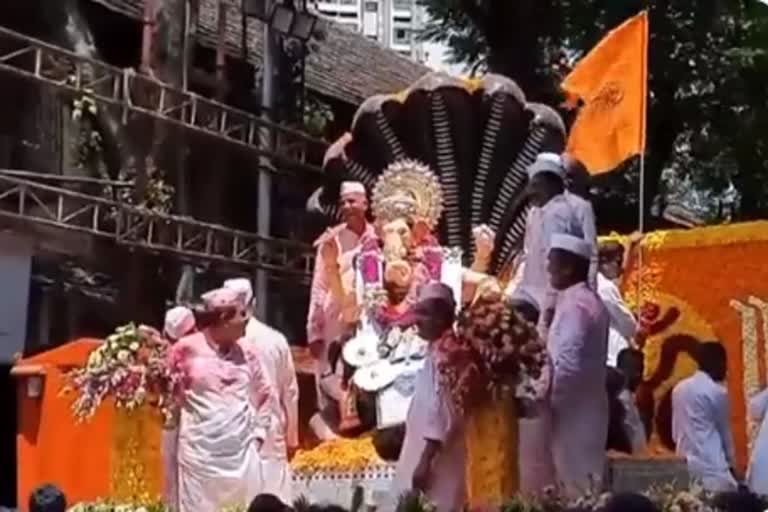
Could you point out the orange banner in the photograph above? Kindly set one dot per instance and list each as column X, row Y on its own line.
column 700, row 285
column 611, row 81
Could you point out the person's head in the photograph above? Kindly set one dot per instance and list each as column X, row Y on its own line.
column 629, row 502
column 353, row 202
column 47, row 498
column 576, row 175
column 739, row 501
column 225, row 316
column 568, row 260
column 525, row 305
column 267, row 503
column 242, row 286
column 545, row 178
column 179, row 322
column 611, row 256
column 631, row 362
column 434, row 312
column 712, row 359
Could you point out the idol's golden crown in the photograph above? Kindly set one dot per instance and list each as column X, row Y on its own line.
column 408, row 189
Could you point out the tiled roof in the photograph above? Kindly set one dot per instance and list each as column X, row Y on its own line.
column 345, row 66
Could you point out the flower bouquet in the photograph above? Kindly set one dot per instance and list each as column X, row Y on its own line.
column 130, row 367
column 510, row 353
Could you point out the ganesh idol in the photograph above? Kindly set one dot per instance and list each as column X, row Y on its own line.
column 446, row 163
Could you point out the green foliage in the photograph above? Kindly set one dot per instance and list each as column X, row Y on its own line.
column 708, row 65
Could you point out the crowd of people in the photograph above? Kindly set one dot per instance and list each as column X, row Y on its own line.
column 237, row 426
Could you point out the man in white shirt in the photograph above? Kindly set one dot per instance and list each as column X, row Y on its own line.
column 701, row 421
column 578, row 341
column 623, row 323
column 757, row 475
column 551, row 213
column 277, row 363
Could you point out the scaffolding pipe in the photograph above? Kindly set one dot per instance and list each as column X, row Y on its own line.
column 265, row 161
column 148, row 25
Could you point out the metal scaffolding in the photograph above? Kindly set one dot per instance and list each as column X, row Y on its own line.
column 130, row 226
column 131, row 93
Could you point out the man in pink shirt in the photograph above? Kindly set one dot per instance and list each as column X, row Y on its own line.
column 332, row 301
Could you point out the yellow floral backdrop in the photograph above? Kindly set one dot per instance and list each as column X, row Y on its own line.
column 700, row 285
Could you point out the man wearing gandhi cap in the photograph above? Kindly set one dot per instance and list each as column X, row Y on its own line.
column 277, row 362
column 332, row 301
column 578, row 344
column 551, row 213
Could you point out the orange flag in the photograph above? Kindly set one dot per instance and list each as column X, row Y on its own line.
column 612, row 82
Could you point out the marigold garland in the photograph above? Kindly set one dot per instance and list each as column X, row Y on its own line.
column 338, row 455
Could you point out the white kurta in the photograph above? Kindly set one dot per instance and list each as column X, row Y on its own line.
column 432, row 416
column 324, row 321
column 623, row 324
column 556, row 217
column 701, row 430
column 578, row 342
column 757, row 475
column 277, row 362
column 585, row 215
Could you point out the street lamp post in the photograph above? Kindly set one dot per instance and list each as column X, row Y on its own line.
column 276, row 17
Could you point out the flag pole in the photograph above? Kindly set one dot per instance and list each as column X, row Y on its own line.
column 641, row 181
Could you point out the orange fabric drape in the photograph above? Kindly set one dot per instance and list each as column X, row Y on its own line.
column 51, row 447
column 611, row 81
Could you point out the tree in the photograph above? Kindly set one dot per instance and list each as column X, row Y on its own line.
column 707, row 68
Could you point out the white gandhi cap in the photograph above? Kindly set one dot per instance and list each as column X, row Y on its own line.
column 571, row 244
column 179, row 321
column 547, row 162
column 352, row 188
column 242, row 287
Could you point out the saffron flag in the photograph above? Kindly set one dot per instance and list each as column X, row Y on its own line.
column 611, row 82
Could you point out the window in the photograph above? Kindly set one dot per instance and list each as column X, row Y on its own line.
column 404, row 5
column 371, row 7
column 402, row 36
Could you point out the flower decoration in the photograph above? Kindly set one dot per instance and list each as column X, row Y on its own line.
column 132, row 367
column 355, row 454
column 459, row 370
column 510, row 352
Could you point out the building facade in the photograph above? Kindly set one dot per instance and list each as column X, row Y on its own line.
column 395, row 24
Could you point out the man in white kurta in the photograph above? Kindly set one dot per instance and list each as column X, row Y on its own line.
column 757, row 474
column 701, row 425
column 551, row 213
column 433, row 456
column 578, row 341
column 623, row 323
column 333, row 282
column 277, row 362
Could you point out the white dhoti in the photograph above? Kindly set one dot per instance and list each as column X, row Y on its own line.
column 218, row 452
